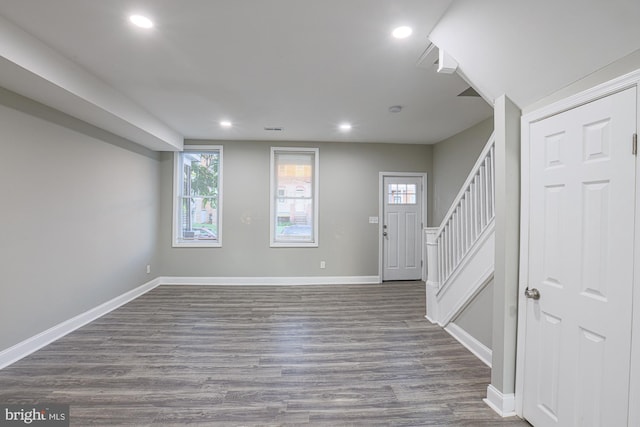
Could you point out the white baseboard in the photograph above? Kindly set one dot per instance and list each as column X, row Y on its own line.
column 36, row 342
column 272, row 281
column 481, row 351
column 431, row 320
column 503, row 404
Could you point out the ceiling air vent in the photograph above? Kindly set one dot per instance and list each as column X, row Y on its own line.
column 469, row 92
column 274, row 128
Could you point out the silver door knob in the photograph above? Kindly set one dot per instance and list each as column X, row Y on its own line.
column 532, row 293
column 384, row 233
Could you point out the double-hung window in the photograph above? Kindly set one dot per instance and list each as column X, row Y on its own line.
column 294, row 197
column 197, row 197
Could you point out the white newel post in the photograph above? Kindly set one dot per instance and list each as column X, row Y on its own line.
column 431, row 234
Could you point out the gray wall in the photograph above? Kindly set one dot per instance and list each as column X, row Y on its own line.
column 79, row 217
column 348, row 197
column 618, row 68
column 507, row 235
column 453, row 159
column 477, row 317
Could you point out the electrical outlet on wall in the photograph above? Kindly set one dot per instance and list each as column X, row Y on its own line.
column 323, row 264
column 148, row 268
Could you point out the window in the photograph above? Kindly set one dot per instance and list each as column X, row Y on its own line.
column 197, row 190
column 401, row 194
column 294, row 197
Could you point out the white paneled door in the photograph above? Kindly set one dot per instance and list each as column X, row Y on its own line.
column 578, row 309
column 402, row 228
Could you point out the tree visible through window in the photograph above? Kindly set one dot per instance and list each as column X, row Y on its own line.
column 198, row 198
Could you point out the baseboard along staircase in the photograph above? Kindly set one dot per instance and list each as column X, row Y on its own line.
column 460, row 252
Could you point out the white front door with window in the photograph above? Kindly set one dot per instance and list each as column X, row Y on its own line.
column 580, row 255
column 402, row 228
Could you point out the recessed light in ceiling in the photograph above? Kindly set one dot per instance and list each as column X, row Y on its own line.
column 345, row 127
column 395, row 108
column 141, row 21
column 225, row 124
column 402, row 32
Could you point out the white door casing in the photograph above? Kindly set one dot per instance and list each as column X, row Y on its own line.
column 402, row 228
column 577, row 343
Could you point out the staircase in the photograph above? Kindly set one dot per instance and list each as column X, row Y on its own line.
column 460, row 252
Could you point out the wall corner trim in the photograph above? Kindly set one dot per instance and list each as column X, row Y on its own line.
column 36, row 342
column 503, row 404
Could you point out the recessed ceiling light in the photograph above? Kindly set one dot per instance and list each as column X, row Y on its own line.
column 225, row 124
column 402, row 32
column 345, row 127
column 141, row 21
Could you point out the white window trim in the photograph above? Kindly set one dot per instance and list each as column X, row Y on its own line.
column 176, row 205
column 274, row 192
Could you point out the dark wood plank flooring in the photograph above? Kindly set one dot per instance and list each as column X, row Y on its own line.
column 306, row 355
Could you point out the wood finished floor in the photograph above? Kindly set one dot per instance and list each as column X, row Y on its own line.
column 242, row 356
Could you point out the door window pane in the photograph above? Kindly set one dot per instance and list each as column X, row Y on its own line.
column 401, row 194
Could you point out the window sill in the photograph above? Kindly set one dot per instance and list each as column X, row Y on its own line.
column 294, row 245
column 196, row 245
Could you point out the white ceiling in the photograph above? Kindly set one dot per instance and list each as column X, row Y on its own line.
column 304, row 65
column 530, row 49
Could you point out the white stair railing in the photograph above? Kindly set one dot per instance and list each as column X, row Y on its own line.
column 471, row 214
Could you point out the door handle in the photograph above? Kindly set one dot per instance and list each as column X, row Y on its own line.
column 533, row 293
column 384, row 233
